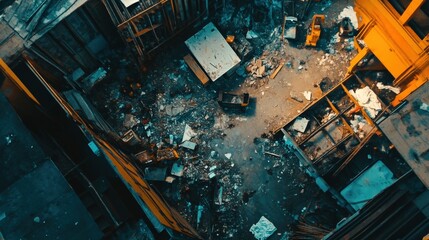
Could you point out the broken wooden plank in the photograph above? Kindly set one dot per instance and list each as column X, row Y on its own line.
column 201, row 75
column 273, row 154
column 274, row 74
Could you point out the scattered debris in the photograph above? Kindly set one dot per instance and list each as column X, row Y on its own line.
column 393, row 89
column 9, row 139
column 307, row 95
column 300, row 124
column 349, row 12
column 130, row 121
column 228, row 155
column 295, row 97
column 170, row 179
column 360, row 126
column 188, row 134
column 251, row 35
column 424, row 107
column 274, row 74
column 189, row 145
column 36, row 219
column 263, row 229
column 368, row 100
column 177, row 170
column 155, row 173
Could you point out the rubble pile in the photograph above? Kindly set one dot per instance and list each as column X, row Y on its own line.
column 168, row 108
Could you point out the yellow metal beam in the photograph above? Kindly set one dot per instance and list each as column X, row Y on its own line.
column 411, row 9
column 15, row 79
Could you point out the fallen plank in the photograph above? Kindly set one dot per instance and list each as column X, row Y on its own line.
column 274, row 74
column 273, row 154
column 193, row 65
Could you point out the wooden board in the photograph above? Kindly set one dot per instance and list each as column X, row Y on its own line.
column 212, row 52
column 408, row 130
column 201, row 75
column 274, row 74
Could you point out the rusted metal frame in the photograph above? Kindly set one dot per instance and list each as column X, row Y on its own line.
column 156, row 5
column 311, row 104
column 322, row 126
column 144, row 6
column 138, row 46
column 362, row 110
column 176, row 33
column 152, row 27
column 326, row 133
column 329, row 151
column 356, row 151
column 312, row 172
column 113, row 16
column 342, row 118
column 68, row 50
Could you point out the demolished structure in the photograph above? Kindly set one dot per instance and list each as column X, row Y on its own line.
column 156, row 149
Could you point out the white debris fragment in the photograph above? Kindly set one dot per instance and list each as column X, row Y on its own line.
column 188, row 134
column 130, row 121
column 228, row 155
column 393, row 89
column 170, row 179
column 424, row 107
column 199, row 214
column 36, row 219
column 300, row 124
column 328, row 117
column 263, row 229
column 368, row 100
column 189, row 145
column 307, row 95
column 251, row 35
column 212, row 175
column 9, row 139
column 358, row 123
column 350, row 13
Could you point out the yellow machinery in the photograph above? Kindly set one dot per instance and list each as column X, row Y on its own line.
column 398, row 38
column 314, row 30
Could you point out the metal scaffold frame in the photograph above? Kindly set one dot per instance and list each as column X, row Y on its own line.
column 147, row 24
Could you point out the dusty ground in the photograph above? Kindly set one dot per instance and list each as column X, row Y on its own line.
column 253, row 184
